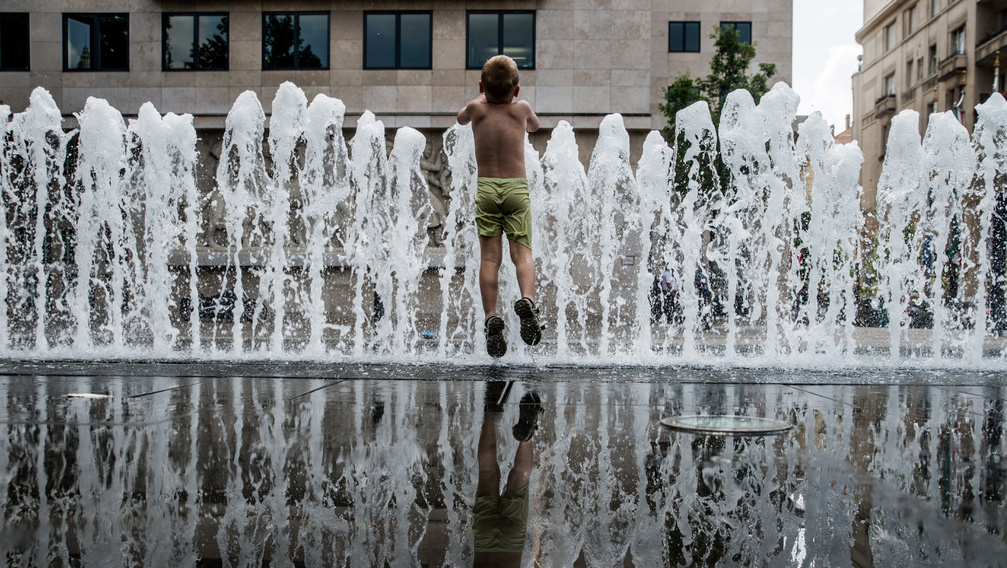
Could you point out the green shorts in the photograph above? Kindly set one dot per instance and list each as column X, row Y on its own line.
column 503, row 206
column 500, row 522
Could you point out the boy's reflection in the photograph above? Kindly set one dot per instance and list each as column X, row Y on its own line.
column 500, row 521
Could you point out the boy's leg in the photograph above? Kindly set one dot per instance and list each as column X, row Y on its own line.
column 521, row 472
column 491, row 255
column 524, row 264
column 489, row 470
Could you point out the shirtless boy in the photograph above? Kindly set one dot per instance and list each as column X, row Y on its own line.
column 502, row 203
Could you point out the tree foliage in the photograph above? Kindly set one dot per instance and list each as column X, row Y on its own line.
column 728, row 72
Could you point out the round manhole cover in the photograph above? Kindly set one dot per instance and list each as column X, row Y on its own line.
column 726, row 425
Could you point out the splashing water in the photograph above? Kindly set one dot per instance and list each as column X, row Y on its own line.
column 325, row 247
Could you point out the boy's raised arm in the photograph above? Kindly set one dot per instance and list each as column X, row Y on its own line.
column 532, row 122
column 465, row 115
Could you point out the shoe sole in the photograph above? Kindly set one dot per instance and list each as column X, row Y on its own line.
column 496, row 345
column 531, row 329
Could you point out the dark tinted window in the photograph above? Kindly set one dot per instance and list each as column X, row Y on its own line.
column 14, row 42
column 683, row 36
column 96, row 42
column 744, row 30
column 195, row 41
column 495, row 33
column 397, row 40
column 295, row 41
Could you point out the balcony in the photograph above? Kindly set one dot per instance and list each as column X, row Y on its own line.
column 884, row 106
column 951, row 66
column 908, row 95
column 987, row 49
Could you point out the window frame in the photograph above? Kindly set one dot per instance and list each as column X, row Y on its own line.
column 911, row 18
column 933, row 60
column 196, row 38
column 909, row 74
column 95, row 35
column 955, row 44
column 888, row 37
column 398, row 38
column 734, row 24
column 27, row 22
column 297, row 32
column 500, row 26
column 888, row 85
column 685, row 47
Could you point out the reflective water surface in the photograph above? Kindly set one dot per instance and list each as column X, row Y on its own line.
column 249, row 471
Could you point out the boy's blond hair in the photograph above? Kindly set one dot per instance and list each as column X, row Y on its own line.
column 499, row 77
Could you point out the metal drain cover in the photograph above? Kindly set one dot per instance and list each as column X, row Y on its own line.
column 726, row 425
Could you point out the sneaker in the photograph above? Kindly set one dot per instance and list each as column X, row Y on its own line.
column 531, row 329
column 496, row 395
column 531, row 407
column 496, row 343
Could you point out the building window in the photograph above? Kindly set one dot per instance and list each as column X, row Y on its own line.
column 889, row 36
column 295, row 40
column 909, row 74
column 909, row 17
column 495, row 33
column 919, row 69
column 935, row 6
column 14, row 42
column 889, row 85
column 194, row 41
column 96, row 42
column 958, row 41
column 744, row 30
column 932, row 67
column 683, row 37
column 397, row 40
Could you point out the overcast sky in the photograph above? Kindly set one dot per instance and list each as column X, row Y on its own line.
column 825, row 56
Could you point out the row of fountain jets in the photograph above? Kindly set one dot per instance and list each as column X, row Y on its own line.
column 106, row 252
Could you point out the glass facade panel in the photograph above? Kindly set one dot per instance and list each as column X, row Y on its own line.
column 519, row 39
column 278, row 41
column 78, row 42
column 14, row 42
column 213, row 41
column 313, row 52
column 483, row 40
column 379, row 38
column 692, row 36
column 113, row 41
column 179, row 37
column 415, row 41
column 683, row 36
column 744, row 30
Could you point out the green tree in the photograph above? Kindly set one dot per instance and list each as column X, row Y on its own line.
column 728, row 72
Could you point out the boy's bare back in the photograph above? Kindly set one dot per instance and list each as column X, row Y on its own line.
column 498, row 129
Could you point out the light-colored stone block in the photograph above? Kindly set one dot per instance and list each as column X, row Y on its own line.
column 554, row 24
column 347, row 26
column 635, row 25
column 448, row 53
column 555, row 78
column 311, row 78
column 592, row 78
column 630, row 54
column 591, row 100
column 631, row 77
column 385, row 77
column 352, row 97
column 449, row 77
column 139, row 96
column 380, row 98
column 630, row 99
column 346, row 78
column 244, row 78
column 15, row 97
column 79, row 79
column 144, row 26
column 414, row 77
column 215, row 100
column 244, row 26
column 245, row 56
column 144, row 56
column 448, row 24
column 413, row 99
column 46, row 56
column 592, row 54
column 346, row 54
column 554, row 99
column 178, row 99
column 448, row 98
column 553, row 54
column 592, row 24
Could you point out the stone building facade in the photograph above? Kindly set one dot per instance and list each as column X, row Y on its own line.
column 411, row 63
column 926, row 55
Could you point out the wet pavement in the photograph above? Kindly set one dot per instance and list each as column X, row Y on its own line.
column 246, row 464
